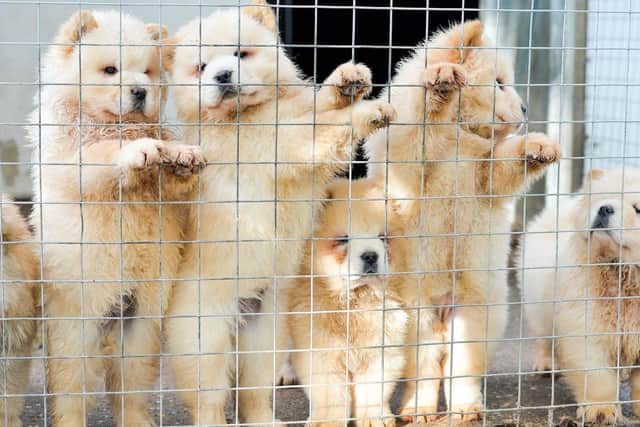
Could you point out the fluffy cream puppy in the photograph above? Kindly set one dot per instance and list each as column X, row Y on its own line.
column 349, row 296
column 268, row 162
column 456, row 184
column 581, row 283
column 109, row 247
column 19, row 270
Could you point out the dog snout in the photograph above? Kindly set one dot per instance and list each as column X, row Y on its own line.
column 139, row 93
column 602, row 219
column 370, row 262
column 223, row 76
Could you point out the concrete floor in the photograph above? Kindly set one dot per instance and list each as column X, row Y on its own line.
column 514, row 396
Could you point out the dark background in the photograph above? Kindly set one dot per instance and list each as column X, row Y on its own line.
column 343, row 33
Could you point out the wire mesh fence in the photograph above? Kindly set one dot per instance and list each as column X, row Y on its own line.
column 301, row 211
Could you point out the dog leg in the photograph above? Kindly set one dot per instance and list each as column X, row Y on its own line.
column 517, row 162
column 205, row 377
column 423, row 371
column 17, row 381
column 373, row 389
column 73, row 373
column 635, row 390
column 141, row 336
column 258, row 371
column 593, row 385
column 347, row 84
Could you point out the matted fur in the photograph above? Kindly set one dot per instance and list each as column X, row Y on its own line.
column 18, row 300
column 97, row 181
column 574, row 275
column 363, row 312
column 291, row 162
column 451, row 179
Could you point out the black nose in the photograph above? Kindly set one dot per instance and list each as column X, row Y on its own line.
column 606, row 211
column 370, row 259
column 524, row 109
column 223, row 76
column 139, row 93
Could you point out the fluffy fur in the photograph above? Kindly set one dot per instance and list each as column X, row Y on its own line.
column 102, row 146
column 346, row 269
column 584, row 254
column 449, row 178
column 18, row 272
column 249, row 235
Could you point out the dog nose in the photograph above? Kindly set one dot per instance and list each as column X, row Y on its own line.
column 370, row 259
column 606, row 211
column 139, row 93
column 223, row 76
column 524, row 109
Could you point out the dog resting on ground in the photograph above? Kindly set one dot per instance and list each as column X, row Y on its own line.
column 351, row 278
column 109, row 247
column 581, row 283
column 19, row 271
column 268, row 163
column 458, row 174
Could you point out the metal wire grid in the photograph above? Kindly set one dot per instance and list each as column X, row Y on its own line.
column 501, row 381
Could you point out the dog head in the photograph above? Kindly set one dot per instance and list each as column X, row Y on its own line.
column 227, row 61
column 609, row 211
column 358, row 240
column 489, row 105
column 109, row 65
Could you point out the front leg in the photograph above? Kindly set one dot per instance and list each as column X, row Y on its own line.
column 516, row 163
column 349, row 83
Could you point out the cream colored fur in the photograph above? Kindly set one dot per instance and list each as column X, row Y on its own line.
column 588, row 269
column 456, row 179
column 332, row 284
column 19, row 272
column 245, row 234
column 97, row 181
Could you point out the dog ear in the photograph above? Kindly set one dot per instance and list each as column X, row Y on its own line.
column 158, row 32
column 459, row 40
column 74, row 29
column 262, row 12
column 592, row 175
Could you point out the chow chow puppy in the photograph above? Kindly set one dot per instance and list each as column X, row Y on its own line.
column 109, row 248
column 257, row 195
column 456, row 174
column 350, row 281
column 19, row 269
column 592, row 274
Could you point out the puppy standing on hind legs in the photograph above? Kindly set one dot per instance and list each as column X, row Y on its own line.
column 99, row 176
column 284, row 164
column 462, row 180
column 17, row 299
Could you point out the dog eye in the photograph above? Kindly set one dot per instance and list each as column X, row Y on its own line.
column 383, row 238
column 637, row 208
column 110, row 70
column 500, row 83
column 201, row 67
column 147, row 71
column 240, row 53
column 342, row 240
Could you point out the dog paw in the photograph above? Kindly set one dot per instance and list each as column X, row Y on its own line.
column 387, row 421
column 142, row 154
column 419, row 415
column 466, row 413
column 600, row 415
column 445, row 77
column 351, row 81
column 369, row 116
column 286, row 375
column 540, row 150
column 185, row 159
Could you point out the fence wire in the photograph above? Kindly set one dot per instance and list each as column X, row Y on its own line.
column 188, row 236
